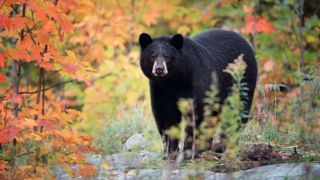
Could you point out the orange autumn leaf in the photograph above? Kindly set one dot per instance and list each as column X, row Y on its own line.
column 2, row 78
column 46, row 66
column 40, row 12
column 11, row 2
column 20, row 22
column 53, row 12
column 87, row 170
column 1, row 60
column 248, row 9
column 269, row 65
column 5, row 21
column 257, row 24
column 46, row 57
column 29, row 123
column 8, row 133
column 25, row 44
column 48, row 27
column 55, row 144
column 152, row 17
column 3, row 165
column 36, row 53
column 10, row 52
column 24, row 55
column 65, row 23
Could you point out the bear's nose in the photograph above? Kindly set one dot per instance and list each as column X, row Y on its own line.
column 159, row 70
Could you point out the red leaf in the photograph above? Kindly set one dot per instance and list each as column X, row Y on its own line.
column 40, row 12
column 46, row 57
column 19, row 22
column 71, row 68
column 257, row 24
column 25, row 44
column 1, row 60
column 46, row 66
column 2, row 78
column 49, row 125
column 16, row 98
column 36, row 53
column 48, row 27
column 8, row 133
column 65, row 23
column 23, row 55
column 5, row 21
column 53, row 12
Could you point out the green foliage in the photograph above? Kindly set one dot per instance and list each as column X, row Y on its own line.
column 113, row 134
column 309, row 80
column 270, row 133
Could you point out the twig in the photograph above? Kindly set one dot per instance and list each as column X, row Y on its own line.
column 40, row 83
column 16, row 83
column 50, row 87
column 62, row 83
column 23, row 154
column 299, row 10
column 31, row 35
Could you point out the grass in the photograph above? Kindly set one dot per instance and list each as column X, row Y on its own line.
column 114, row 133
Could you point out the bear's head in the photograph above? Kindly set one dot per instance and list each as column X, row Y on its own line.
column 160, row 55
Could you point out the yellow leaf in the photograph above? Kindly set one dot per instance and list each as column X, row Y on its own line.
column 105, row 165
column 71, row 54
column 68, row 169
column 312, row 39
column 184, row 30
column 10, row 52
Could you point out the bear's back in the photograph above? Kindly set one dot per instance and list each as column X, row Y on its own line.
column 223, row 47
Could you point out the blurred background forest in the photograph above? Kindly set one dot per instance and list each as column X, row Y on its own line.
column 70, row 82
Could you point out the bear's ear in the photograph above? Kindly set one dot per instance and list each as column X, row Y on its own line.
column 144, row 40
column 177, row 41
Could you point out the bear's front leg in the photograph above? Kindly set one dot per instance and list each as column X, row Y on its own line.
column 166, row 113
column 192, row 128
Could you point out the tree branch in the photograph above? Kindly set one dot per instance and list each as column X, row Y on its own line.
column 50, row 87
column 62, row 83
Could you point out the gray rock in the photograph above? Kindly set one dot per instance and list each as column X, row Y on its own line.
column 128, row 160
column 295, row 171
column 136, row 142
column 129, row 166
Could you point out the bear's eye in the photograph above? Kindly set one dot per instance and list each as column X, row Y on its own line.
column 166, row 57
column 153, row 57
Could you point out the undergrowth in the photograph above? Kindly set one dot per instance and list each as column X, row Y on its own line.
column 288, row 121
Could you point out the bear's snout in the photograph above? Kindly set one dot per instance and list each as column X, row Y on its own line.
column 159, row 68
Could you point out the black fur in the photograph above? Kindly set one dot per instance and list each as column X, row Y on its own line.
column 191, row 62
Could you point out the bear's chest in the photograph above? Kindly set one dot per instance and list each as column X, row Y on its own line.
column 179, row 89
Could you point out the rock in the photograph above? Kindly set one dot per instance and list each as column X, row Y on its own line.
column 130, row 165
column 136, row 141
column 295, row 171
column 129, row 159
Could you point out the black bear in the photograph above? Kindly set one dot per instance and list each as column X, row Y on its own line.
column 182, row 67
